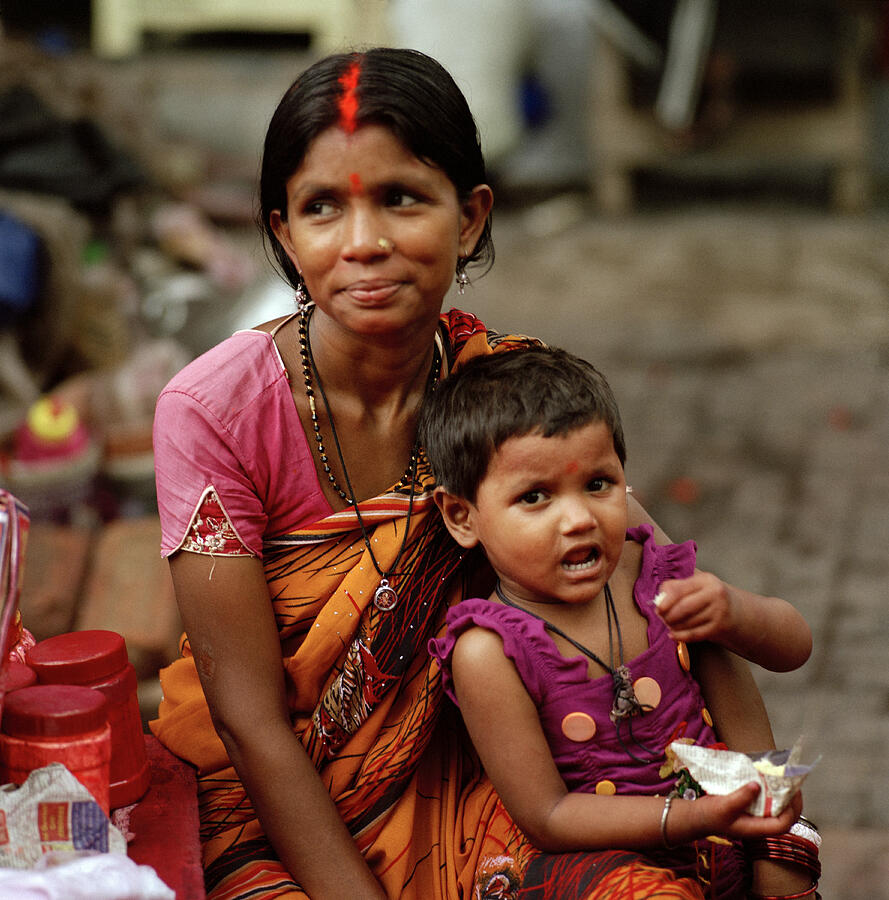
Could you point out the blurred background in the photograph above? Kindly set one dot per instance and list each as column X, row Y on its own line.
column 693, row 194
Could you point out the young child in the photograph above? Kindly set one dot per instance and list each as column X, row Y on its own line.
column 569, row 681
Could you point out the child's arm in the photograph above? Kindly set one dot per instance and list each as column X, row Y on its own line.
column 502, row 721
column 766, row 630
column 231, row 628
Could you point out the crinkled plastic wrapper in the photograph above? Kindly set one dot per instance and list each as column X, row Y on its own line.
column 52, row 812
column 778, row 772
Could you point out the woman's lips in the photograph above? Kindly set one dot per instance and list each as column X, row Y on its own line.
column 375, row 291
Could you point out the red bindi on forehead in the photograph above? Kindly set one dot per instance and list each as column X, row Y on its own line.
column 572, row 467
column 355, row 184
column 348, row 102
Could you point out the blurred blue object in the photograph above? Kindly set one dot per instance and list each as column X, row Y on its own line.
column 20, row 250
column 55, row 40
column 534, row 101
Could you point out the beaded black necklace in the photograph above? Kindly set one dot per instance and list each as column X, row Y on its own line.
column 385, row 596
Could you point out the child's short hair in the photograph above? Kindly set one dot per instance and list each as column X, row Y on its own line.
column 510, row 394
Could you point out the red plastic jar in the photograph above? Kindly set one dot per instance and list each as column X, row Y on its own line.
column 98, row 659
column 61, row 723
column 16, row 675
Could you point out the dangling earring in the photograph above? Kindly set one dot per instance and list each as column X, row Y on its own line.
column 301, row 296
column 462, row 277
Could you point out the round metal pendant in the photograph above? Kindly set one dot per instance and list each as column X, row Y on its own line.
column 385, row 597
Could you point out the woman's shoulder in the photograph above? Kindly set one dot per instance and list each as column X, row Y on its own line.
column 231, row 375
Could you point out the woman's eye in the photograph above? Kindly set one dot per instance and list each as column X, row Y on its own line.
column 320, row 208
column 400, row 198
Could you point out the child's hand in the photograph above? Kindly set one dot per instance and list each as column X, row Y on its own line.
column 725, row 815
column 699, row 608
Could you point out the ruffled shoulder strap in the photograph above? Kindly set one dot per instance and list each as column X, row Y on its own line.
column 525, row 642
column 660, row 562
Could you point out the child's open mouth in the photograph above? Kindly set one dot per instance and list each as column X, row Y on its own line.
column 577, row 562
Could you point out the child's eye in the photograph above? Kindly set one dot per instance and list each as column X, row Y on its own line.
column 531, row 498
column 597, row 485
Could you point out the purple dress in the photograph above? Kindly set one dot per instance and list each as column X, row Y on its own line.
column 592, row 754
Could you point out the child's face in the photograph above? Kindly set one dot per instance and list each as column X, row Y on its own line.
column 551, row 513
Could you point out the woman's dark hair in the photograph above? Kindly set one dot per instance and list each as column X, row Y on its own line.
column 510, row 394
column 403, row 90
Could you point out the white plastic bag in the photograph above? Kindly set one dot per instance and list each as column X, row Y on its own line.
column 95, row 876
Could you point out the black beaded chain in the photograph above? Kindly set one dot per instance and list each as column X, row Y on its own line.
column 385, row 596
column 407, row 477
column 626, row 705
column 307, row 364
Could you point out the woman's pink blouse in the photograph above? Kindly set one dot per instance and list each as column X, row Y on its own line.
column 232, row 462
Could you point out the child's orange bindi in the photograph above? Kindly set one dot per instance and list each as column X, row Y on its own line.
column 348, row 102
column 571, row 468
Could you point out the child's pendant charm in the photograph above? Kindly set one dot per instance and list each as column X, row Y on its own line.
column 625, row 702
column 385, row 597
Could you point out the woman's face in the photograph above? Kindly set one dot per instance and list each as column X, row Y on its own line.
column 374, row 231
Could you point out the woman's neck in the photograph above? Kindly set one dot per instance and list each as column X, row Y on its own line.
column 383, row 375
column 366, row 397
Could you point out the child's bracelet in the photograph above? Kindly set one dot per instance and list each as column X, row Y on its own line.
column 667, row 802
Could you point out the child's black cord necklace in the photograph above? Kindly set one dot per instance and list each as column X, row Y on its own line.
column 626, row 705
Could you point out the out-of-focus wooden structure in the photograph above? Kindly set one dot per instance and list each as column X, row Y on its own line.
column 829, row 130
column 118, row 25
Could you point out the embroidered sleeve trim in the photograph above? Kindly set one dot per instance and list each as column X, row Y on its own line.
column 211, row 530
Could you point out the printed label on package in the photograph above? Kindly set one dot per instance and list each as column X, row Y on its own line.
column 89, row 826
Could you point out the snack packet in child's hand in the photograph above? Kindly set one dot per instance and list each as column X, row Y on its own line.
column 778, row 773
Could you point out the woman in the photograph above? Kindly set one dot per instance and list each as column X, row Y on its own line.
column 335, row 772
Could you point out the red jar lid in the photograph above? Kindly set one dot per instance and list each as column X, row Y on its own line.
column 54, row 710
column 78, row 657
column 16, row 675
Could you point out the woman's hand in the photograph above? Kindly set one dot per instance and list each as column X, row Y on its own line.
column 778, row 879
